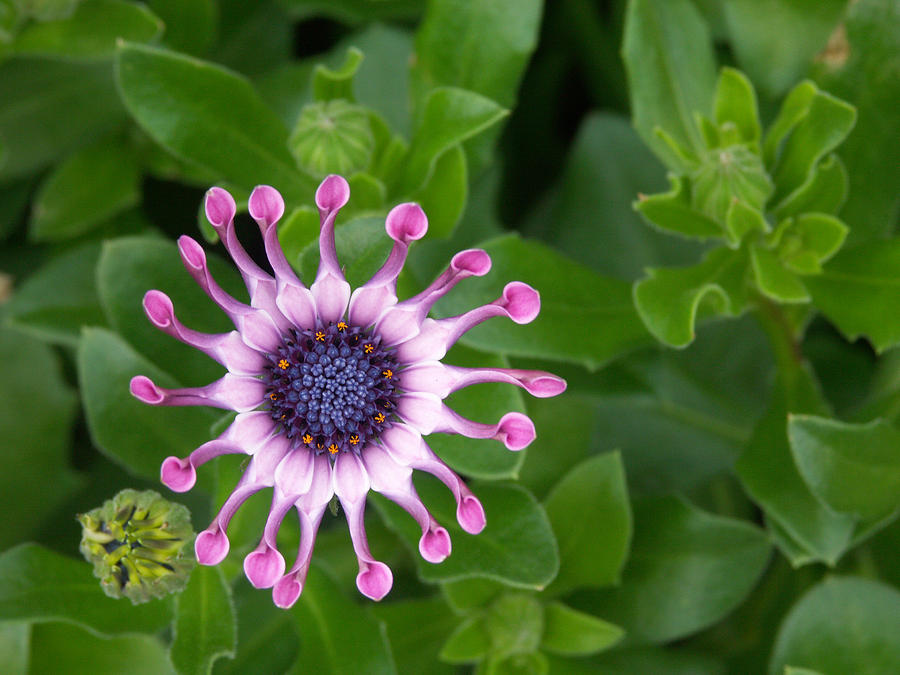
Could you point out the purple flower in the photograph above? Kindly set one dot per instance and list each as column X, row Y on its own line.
column 334, row 389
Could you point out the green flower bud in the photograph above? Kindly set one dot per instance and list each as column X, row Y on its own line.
column 136, row 542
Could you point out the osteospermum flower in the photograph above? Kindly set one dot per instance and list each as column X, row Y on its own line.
column 334, row 389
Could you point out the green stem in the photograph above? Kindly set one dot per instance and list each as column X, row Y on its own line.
column 780, row 331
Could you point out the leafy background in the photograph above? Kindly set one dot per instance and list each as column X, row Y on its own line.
column 717, row 492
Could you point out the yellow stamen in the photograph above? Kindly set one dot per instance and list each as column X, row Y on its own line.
column 368, row 349
column 379, row 418
column 273, row 396
column 283, row 364
column 320, row 336
column 333, row 449
column 388, row 373
column 354, row 439
column 307, row 438
column 341, row 326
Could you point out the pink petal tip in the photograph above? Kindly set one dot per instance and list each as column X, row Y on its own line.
column 435, row 545
column 522, row 302
column 286, row 591
column 470, row 514
column 191, row 252
column 375, row 580
column 332, row 193
column 264, row 568
column 159, row 308
column 545, row 386
column 177, row 474
column 515, row 431
column 474, row 261
column 143, row 389
column 406, row 222
column 220, row 207
column 265, row 205
column 211, row 546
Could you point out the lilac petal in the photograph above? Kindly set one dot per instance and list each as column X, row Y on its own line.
column 394, row 481
column 310, row 507
column 257, row 328
column 231, row 392
column 247, row 434
column 212, row 545
column 265, row 205
column 519, row 302
column 428, row 414
column 294, row 473
column 220, row 207
column 330, row 289
column 405, row 223
column 265, row 565
column 404, row 321
column 351, row 484
column 406, row 446
column 442, row 380
column 226, row 348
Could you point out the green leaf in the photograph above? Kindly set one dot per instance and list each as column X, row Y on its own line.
column 39, row 585
column 672, row 212
column 15, row 639
column 852, row 468
column 190, row 24
column 328, row 84
column 864, row 73
column 91, row 32
column 444, row 196
column 769, row 475
column 204, row 622
column 468, row 643
column 323, row 614
column 136, row 435
column 354, row 11
column 591, row 517
column 735, row 103
column 742, row 219
column 89, row 187
column 824, row 191
column 585, row 318
column 450, row 116
column 687, row 570
column 809, row 240
column 362, row 248
column 573, row 633
column 382, row 81
column 859, row 291
column 58, row 644
column 417, row 628
column 481, row 46
column 776, row 282
column 821, row 130
column 32, row 96
column 776, row 40
column 842, row 625
column 515, row 623
column 671, row 72
column 668, row 300
column 36, row 425
column 793, row 109
column 210, row 116
column 516, row 547
column 332, row 137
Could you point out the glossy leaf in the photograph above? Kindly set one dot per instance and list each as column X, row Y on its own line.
column 809, row 240
column 322, row 615
column 417, row 629
column 90, row 186
column 853, row 468
column 671, row 73
column 573, row 633
column 824, row 191
column 672, row 212
column 585, row 318
column 776, row 282
column 38, row 585
column 842, row 625
column 210, row 116
column 735, row 103
column 204, row 625
column 444, row 196
column 330, row 84
column 687, row 570
column 190, row 24
column 593, row 545
column 91, row 32
column 468, row 643
column 792, row 111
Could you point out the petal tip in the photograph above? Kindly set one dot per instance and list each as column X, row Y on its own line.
column 266, row 205
column 211, row 546
column 177, row 474
column 406, row 222
column 286, row 591
column 375, row 580
column 435, row 546
column 264, row 568
column 144, row 390
column 521, row 301
column 158, row 308
column 219, row 206
column 516, row 431
column 333, row 193
column 475, row 261
column 546, row 386
column 192, row 253
column 470, row 514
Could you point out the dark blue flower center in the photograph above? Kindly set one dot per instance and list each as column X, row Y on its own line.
column 333, row 388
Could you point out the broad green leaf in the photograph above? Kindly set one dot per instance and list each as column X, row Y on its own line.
column 354, row 11
column 573, row 633
column 328, row 84
column 842, row 625
column 687, row 570
column 853, row 468
column 481, row 46
column 656, row 660
column 14, row 197
column 809, row 240
column 672, row 212
column 190, row 24
column 859, row 291
column 91, row 32
column 775, row 40
column 382, row 81
column 15, row 646
column 323, row 615
column 39, row 585
column 825, row 125
column 480, row 458
column 49, row 10
column 472, row 592
column 450, row 116
column 35, row 424
column 131, row 266
column 735, row 103
column 669, row 300
column 57, row 300
column 792, row 111
column 742, row 219
column 863, row 72
column 33, row 93
column 89, row 187
column 585, row 318
column 332, row 137
column 59, row 645
column 769, row 475
column 136, row 435
column 516, row 547
column 210, row 116
column 469, row 643
column 416, row 629
column 776, row 282
column 591, row 518
column 444, row 196
column 671, row 73
column 824, row 191
column 204, row 625
column 515, row 623
column 606, row 168
column 788, row 670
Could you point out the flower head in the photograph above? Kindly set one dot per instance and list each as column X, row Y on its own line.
column 334, row 388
